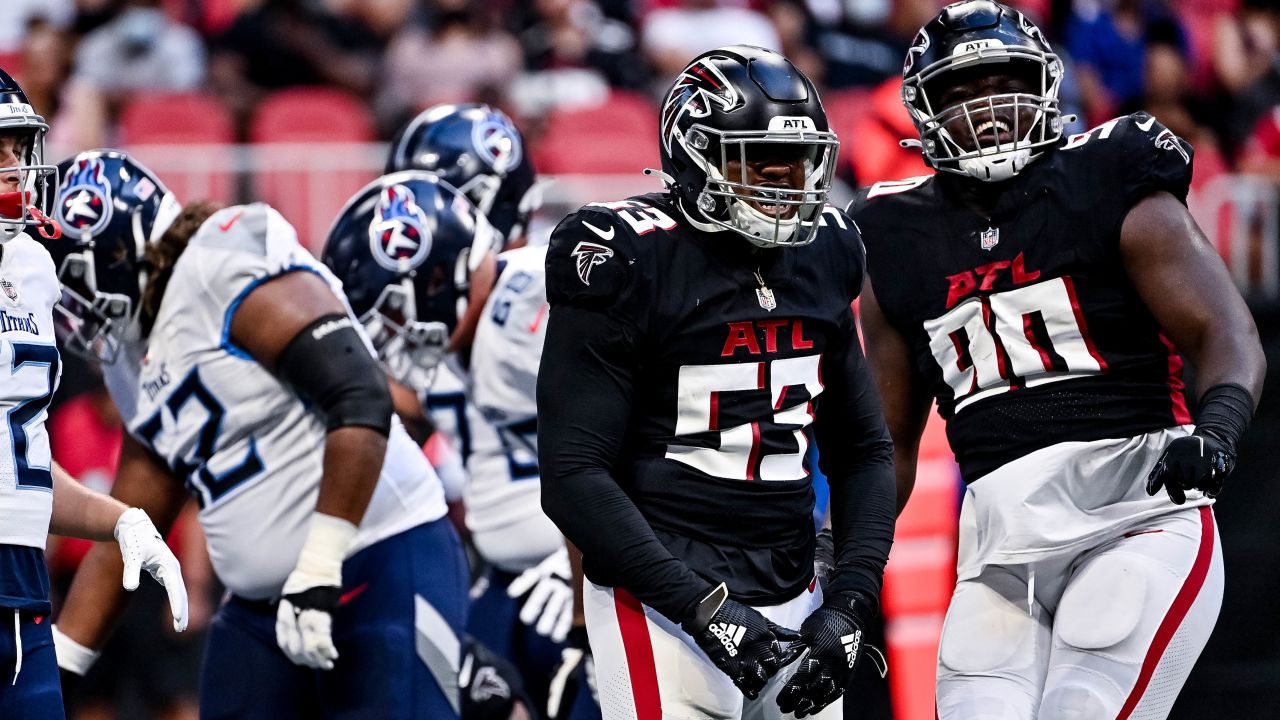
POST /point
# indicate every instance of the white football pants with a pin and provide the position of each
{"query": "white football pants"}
(647, 668)
(1111, 632)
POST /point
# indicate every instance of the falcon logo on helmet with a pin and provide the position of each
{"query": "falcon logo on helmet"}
(84, 204)
(700, 85)
(399, 236)
(588, 255)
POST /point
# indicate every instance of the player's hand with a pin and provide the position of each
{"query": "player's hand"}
(1199, 461)
(143, 549)
(832, 636)
(740, 641)
(548, 605)
(489, 686)
(311, 593)
(576, 664)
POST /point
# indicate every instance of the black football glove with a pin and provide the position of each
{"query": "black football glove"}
(740, 641)
(833, 639)
(489, 687)
(1199, 461)
(577, 667)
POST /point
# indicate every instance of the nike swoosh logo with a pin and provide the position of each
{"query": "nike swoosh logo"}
(227, 225)
(1146, 126)
(351, 594)
(603, 235)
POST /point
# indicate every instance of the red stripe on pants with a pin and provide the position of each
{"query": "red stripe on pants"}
(1177, 612)
(639, 650)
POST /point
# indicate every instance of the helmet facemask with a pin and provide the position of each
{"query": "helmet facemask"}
(989, 138)
(94, 323)
(409, 349)
(30, 204)
(768, 215)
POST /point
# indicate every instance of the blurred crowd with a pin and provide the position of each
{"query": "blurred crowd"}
(1209, 69)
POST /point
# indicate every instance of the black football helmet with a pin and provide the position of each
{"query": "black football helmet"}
(404, 248)
(31, 205)
(738, 103)
(111, 208)
(479, 151)
(982, 33)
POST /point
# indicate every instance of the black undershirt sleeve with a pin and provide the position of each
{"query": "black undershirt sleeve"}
(856, 454)
(585, 386)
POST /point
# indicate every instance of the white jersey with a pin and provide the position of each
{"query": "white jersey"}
(506, 352)
(31, 369)
(246, 445)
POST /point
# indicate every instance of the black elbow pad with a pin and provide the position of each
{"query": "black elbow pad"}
(329, 363)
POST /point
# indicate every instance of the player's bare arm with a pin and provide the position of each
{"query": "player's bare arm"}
(1185, 284)
(905, 402)
(96, 598)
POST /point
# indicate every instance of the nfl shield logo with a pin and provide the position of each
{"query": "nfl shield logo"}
(765, 296)
(990, 238)
(10, 290)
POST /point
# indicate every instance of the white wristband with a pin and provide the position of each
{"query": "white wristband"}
(320, 561)
(72, 656)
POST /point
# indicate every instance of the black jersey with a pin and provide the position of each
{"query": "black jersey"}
(1024, 324)
(726, 358)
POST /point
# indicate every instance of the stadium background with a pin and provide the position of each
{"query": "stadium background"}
(292, 102)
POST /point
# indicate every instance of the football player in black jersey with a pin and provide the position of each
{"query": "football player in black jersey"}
(699, 339)
(1040, 289)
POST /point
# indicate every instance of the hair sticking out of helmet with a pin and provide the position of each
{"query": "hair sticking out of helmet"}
(746, 147)
(112, 209)
(981, 85)
(404, 248)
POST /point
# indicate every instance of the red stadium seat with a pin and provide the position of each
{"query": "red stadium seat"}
(197, 122)
(309, 115)
(620, 136)
(302, 178)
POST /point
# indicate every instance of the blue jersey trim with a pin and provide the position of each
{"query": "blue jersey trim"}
(226, 343)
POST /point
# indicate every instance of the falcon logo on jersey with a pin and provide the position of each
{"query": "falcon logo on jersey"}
(699, 87)
(496, 143)
(1166, 140)
(588, 255)
(84, 203)
(399, 235)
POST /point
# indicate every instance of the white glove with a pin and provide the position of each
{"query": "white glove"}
(565, 682)
(143, 549)
(304, 619)
(550, 601)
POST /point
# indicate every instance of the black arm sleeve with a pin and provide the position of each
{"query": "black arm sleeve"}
(856, 454)
(585, 385)
(329, 363)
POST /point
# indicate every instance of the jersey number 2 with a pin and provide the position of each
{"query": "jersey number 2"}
(31, 474)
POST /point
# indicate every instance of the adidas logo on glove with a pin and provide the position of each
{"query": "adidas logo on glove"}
(852, 642)
(730, 636)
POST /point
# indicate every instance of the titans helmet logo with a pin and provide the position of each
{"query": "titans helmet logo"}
(699, 88)
(497, 144)
(399, 236)
(84, 201)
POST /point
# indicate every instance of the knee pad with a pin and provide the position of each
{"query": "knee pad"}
(984, 631)
(982, 708)
(1103, 603)
(1072, 702)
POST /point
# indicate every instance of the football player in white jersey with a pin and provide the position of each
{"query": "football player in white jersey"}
(241, 373)
(455, 294)
(36, 496)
